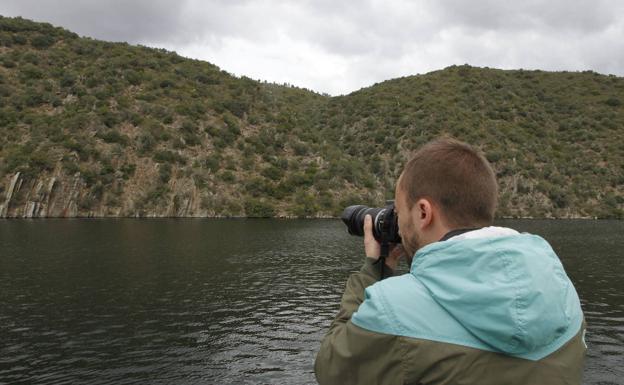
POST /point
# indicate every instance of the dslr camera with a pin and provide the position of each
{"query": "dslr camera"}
(385, 224)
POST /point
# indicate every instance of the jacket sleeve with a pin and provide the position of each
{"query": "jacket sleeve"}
(352, 355)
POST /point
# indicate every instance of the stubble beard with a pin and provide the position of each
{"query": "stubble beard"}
(411, 244)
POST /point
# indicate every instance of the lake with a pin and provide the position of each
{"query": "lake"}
(225, 301)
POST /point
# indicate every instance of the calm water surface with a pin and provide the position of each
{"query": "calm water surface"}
(225, 301)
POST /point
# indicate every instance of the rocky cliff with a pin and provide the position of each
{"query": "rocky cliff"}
(61, 196)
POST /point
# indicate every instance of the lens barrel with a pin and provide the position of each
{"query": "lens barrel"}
(385, 224)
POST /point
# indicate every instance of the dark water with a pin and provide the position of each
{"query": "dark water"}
(225, 301)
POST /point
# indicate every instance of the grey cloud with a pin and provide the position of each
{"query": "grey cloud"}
(579, 16)
(366, 28)
(335, 46)
(116, 20)
(152, 21)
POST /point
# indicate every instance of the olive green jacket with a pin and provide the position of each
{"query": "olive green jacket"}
(404, 352)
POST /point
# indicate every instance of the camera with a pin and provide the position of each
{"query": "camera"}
(385, 224)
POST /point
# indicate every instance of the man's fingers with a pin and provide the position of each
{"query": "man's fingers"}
(371, 246)
(368, 228)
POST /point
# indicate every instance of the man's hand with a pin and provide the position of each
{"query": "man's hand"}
(372, 248)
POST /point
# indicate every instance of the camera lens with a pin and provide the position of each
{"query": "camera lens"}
(384, 221)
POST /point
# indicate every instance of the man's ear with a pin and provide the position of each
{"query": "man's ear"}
(422, 213)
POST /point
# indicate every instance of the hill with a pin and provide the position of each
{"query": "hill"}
(91, 128)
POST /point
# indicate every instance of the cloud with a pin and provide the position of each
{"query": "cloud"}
(340, 46)
(116, 20)
(553, 15)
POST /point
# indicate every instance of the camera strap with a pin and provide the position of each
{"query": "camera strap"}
(385, 250)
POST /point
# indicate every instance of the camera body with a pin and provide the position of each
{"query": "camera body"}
(385, 223)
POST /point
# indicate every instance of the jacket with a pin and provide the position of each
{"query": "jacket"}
(490, 306)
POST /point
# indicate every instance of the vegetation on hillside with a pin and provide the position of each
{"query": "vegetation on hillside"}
(556, 139)
(137, 123)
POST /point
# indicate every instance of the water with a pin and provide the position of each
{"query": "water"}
(224, 301)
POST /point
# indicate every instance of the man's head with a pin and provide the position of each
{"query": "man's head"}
(446, 185)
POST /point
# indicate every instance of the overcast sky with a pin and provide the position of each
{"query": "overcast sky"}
(338, 46)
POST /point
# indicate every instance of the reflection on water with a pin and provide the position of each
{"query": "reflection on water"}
(224, 301)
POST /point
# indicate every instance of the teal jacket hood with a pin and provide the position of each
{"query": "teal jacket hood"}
(492, 289)
(508, 290)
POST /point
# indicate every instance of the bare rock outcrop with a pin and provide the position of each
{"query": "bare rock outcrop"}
(67, 196)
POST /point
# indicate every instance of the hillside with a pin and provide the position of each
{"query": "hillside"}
(91, 128)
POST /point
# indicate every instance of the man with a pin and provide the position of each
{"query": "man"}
(480, 305)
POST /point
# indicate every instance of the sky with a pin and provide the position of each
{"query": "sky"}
(337, 47)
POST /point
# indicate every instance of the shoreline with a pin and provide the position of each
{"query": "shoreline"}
(284, 218)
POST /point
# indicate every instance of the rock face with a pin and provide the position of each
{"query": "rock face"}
(4, 208)
(61, 196)
(45, 197)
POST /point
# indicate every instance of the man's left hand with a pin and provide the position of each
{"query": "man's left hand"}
(372, 248)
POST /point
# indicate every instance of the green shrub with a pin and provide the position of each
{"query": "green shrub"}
(236, 106)
(33, 98)
(113, 136)
(613, 102)
(559, 197)
(257, 208)
(273, 173)
(19, 39)
(107, 173)
(78, 147)
(231, 124)
(211, 162)
(166, 156)
(70, 165)
(157, 195)
(194, 109)
(166, 83)
(89, 176)
(42, 41)
(87, 202)
(300, 149)
(40, 161)
(16, 158)
(199, 181)
(133, 77)
(164, 172)
(257, 186)
(178, 144)
(191, 139)
(156, 130)
(7, 62)
(227, 176)
(128, 170)
(68, 80)
(146, 143)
